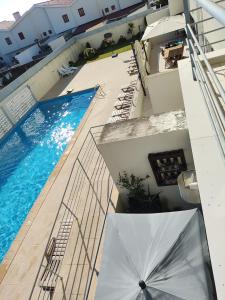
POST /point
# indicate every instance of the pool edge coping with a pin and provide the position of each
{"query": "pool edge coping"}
(11, 253)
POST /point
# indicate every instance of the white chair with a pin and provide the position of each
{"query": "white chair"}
(63, 72)
(69, 68)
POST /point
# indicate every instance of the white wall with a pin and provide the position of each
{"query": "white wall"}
(176, 7)
(26, 26)
(26, 56)
(40, 21)
(131, 155)
(55, 15)
(92, 11)
(165, 91)
(33, 24)
(102, 4)
(96, 39)
(57, 43)
(155, 16)
(5, 48)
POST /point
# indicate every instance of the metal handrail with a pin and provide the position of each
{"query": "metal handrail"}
(211, 87)
(210, 69)
(215, 10)
(195, 9)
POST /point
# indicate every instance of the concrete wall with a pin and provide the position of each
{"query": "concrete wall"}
(131, 155)
(209, 25)
(119, 28)
(176, 7)
(165, 91)
(155, 16)
(163, 38)
(136, 110)
(26, 56)
(57, 43)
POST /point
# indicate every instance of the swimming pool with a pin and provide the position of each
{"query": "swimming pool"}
(29, 154)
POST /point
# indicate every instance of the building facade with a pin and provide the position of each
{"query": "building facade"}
(51, 18)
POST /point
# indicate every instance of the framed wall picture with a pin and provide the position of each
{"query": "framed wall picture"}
(167, 166)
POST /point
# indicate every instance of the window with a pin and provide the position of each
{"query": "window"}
(167, 166)
(50, 31)
(81, 12)
(44, 33)
(65, 18)
(21, 35)
(107, 10)
(113, 7)
(8, 41)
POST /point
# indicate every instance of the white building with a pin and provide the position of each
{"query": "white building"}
(51, 18)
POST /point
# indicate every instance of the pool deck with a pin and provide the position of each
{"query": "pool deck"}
(19, 268)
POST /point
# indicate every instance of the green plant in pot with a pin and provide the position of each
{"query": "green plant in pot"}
(130, 29)
(89, 53)
(139, 201)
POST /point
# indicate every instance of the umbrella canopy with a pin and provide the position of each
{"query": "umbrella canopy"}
(163, 26)
(154, 256)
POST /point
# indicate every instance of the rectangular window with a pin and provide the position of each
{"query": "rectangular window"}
(50, 31)
(107, 10)
(21, 35)
(44, 33)
(113, 7)
(65, 18)
(81, 12)
(8, 41)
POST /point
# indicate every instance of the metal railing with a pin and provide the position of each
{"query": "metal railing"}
(203, 72)
(68, 265)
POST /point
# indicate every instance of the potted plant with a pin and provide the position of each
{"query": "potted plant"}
(130, 29)
(139, 201)
(89, 53)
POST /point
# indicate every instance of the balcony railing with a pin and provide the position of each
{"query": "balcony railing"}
(211, 87)
(68, 265)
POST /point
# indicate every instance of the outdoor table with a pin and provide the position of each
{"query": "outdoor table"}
(173, 51)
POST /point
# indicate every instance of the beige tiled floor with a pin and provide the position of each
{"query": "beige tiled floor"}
(111, 74)
(157, 62)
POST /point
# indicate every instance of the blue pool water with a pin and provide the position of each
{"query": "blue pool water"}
(29, 154)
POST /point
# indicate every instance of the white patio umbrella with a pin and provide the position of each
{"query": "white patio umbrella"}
(154, 256)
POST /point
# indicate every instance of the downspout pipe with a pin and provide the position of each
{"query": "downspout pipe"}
(215, 10)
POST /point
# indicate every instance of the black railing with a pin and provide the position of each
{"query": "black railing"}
(68, 265)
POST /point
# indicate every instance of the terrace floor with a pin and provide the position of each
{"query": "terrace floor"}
(157, 62)
(20, 266)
